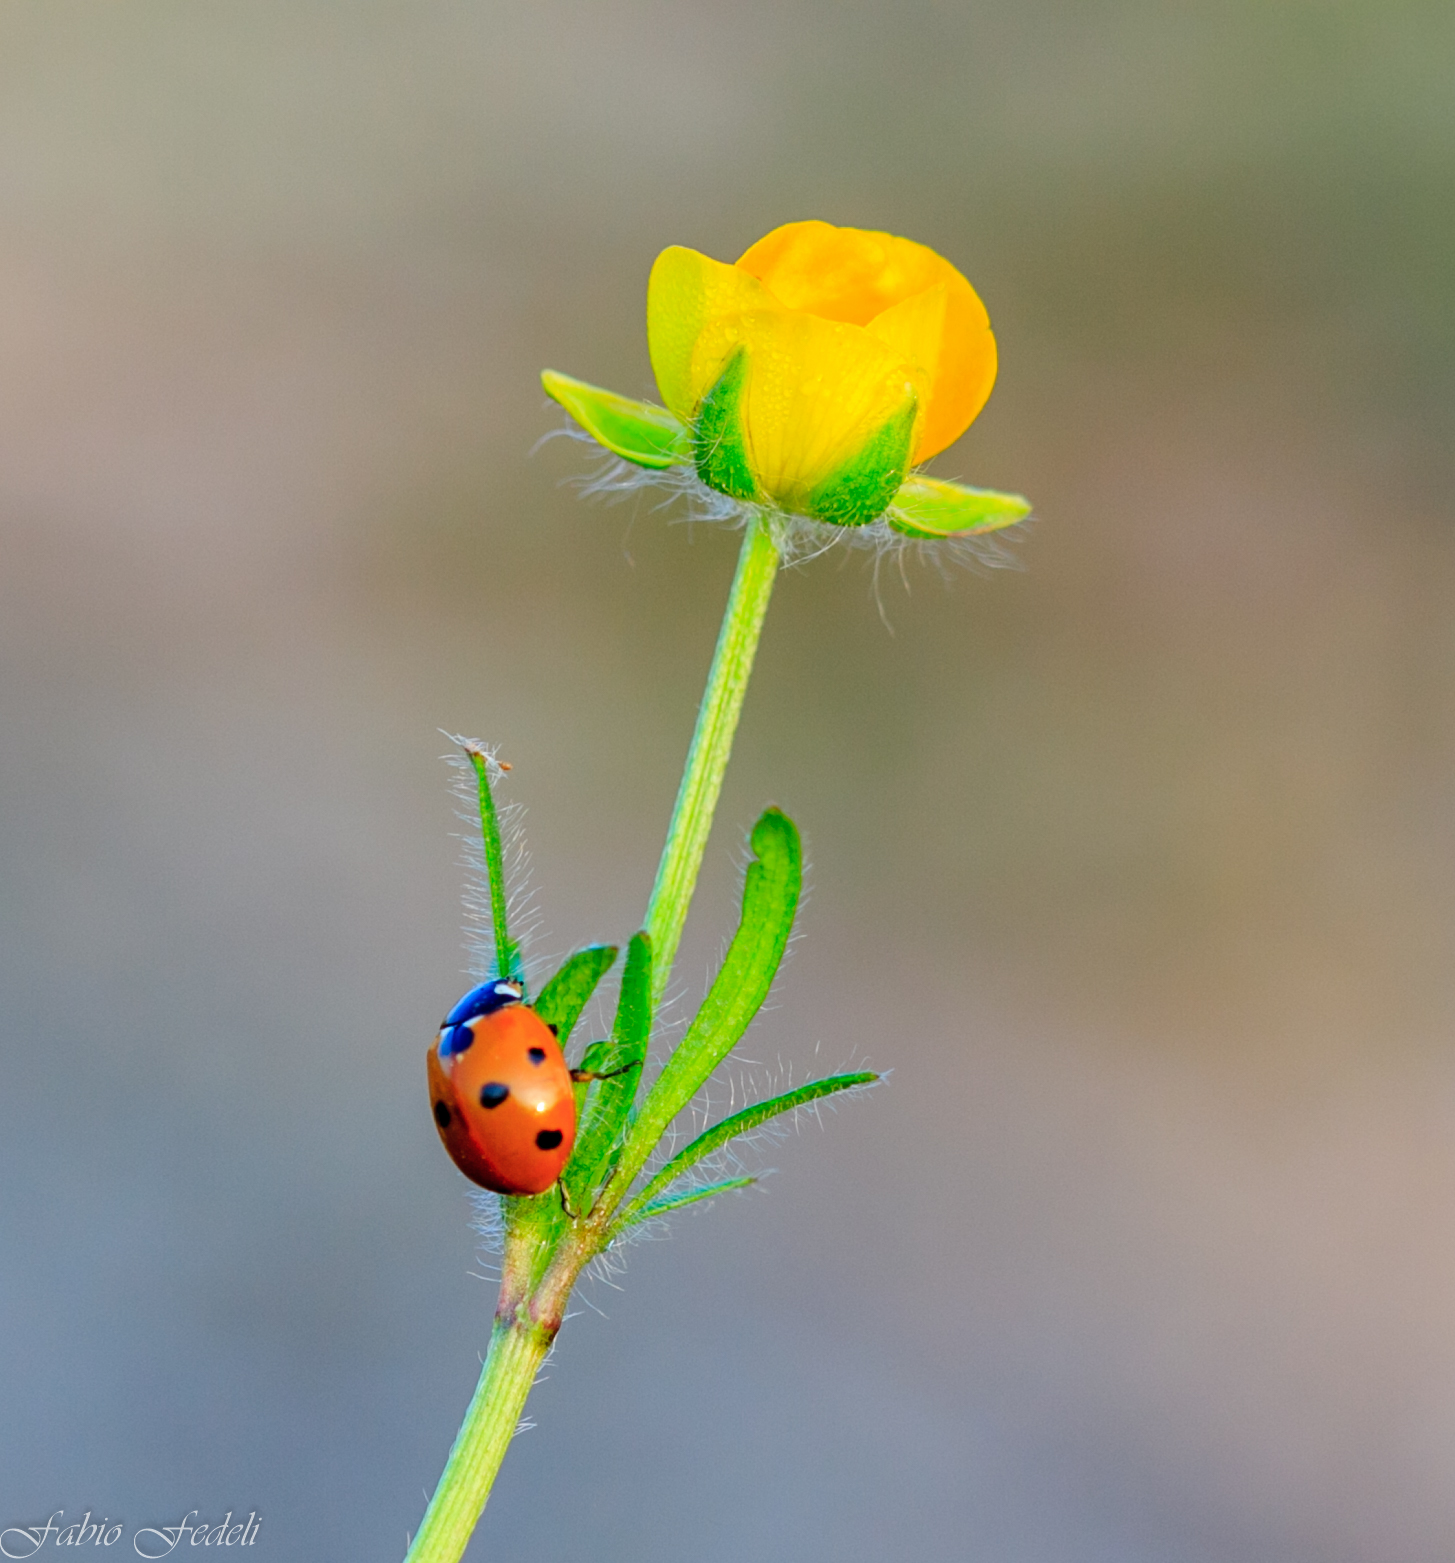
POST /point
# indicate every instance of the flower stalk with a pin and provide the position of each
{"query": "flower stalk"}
(712, 742)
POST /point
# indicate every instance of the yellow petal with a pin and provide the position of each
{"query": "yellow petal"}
(848, 274)
(915, 328)
(947, 335)
(858, 276)
(816, 393)
(685, 291)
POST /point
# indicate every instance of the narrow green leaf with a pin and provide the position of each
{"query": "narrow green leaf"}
(770, 898)
(930, 507)
(507, 950)
(661, 1207)
(730, 1128)
(609, 1100)
(566, 994)
(638, 432)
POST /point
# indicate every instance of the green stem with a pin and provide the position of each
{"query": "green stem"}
(527, 1321)
(712, 742)
(515, 1355)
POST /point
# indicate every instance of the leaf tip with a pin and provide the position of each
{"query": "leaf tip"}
(773, 827)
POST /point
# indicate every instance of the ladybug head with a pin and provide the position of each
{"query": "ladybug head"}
(456, 1034)
(485, 1000)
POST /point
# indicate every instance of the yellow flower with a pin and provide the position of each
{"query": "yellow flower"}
(809, 377)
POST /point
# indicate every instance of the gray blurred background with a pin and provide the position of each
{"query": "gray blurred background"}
(1135, 867)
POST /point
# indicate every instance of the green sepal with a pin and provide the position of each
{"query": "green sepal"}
(770, 898)
(566, 994)
(639, 432)
(719, 444)
(608, 1100)
(859, 491)
(930, 507)
(663, 1207)
(720, 1134)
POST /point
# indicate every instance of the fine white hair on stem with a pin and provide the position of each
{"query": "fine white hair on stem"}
(523, 915)
(799, 538)
(488, 1221)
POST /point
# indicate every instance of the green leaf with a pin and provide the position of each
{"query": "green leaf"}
(662, 1207)
(609, 1100)
(730, 1128)
(565, 995)
(633, 1006)
(639, 432)
(930, 507)
(507, 950)
(770, 898)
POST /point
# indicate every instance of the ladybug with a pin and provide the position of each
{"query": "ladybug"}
(501, 1092)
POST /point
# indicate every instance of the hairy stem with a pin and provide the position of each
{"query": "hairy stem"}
(712, 742)
(516, 1353)
(528, 1319)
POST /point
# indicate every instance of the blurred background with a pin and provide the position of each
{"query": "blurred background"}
(1134, 866)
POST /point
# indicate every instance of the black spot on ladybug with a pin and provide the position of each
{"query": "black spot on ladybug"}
(537, 1055)
(442, 1115)
(493, 1093)
(548, 1139)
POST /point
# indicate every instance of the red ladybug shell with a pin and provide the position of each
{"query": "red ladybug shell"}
(503, 1102)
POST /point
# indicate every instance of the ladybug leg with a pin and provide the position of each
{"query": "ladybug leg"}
(579, 1075)
(565, 1198)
